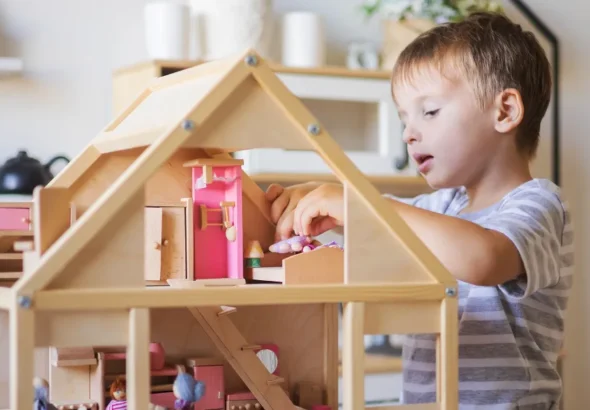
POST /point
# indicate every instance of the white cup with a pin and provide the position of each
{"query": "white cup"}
(167, 30)
(304, 43)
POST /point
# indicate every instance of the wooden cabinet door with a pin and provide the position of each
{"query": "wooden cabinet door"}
(153, 243)
(173, 243)
(214, 397)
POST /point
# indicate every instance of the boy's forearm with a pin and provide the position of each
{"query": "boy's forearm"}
(470, 252)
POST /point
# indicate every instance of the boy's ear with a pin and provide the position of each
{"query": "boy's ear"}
(509, 110)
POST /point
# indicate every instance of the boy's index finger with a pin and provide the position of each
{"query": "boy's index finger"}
(273, 192)
(284, 226)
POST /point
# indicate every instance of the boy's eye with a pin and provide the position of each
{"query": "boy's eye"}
(431, 113)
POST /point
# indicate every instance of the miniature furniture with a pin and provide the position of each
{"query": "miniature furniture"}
(84, 280)
(168, 242)
(15, 232)
(211, 372)
(217, 194)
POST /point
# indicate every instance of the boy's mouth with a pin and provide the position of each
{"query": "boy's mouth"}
(424, 161)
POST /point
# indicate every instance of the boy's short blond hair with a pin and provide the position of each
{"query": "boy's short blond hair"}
(493, 54)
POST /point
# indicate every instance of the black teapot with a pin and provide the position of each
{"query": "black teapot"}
(21, 174)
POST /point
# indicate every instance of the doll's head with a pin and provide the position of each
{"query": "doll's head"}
(187, 388)
(119, 389)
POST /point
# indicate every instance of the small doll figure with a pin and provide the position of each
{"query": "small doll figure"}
(118, 392)
(41, 396)
(291, 245)
(187, 390)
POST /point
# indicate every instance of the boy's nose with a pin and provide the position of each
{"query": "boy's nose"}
(410, 135)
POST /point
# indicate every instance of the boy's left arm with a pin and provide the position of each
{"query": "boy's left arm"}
(528, 226)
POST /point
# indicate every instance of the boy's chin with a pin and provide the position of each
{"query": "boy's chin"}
(436, 181)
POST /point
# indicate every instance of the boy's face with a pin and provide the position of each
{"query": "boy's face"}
(448, 135)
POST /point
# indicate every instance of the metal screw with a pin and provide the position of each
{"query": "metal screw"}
(451, 292)
(188, 125)
(251, 60)
(313, 129)
(24, 301)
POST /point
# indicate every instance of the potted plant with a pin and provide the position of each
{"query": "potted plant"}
(404, 20)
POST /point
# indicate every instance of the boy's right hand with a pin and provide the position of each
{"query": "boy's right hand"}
(284, 201)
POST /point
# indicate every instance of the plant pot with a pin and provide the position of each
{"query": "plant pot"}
(397, 35)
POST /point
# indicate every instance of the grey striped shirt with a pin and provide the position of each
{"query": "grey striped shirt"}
(509, 335)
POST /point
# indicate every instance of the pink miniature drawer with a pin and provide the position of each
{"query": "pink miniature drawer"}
(165, 399)
(16, 219)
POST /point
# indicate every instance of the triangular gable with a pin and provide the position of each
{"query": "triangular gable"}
(185, 128)
(122, 190)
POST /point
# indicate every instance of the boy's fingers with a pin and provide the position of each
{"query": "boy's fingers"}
(304, 218)
(284, 226)
(278, 207)
(273, 191)
(321, 225)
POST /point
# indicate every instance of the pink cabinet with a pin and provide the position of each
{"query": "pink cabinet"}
(214, 397)
(217, 218)
(15, 219)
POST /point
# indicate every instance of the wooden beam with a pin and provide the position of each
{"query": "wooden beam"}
(22, 355)
(449, 354)
(353, 356)
(75, 168)
(138, 359)
(120, 298)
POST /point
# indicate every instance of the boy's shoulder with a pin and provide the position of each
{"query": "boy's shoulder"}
(452, 200)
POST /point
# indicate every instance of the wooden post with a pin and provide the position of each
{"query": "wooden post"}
(22, 353)
(449, 354)
(353, 356)
(138, 359)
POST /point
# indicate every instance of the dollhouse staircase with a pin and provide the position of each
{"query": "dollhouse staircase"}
(266, 387)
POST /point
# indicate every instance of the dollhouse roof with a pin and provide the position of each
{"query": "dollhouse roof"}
(225, 106)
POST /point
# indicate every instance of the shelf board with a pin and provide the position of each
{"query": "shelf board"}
(11, 256)
(10, 65)
(10, 276)
(328, 70)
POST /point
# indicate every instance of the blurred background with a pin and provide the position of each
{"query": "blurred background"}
(68, 66)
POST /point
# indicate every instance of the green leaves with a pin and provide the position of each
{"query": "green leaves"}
(438, 11)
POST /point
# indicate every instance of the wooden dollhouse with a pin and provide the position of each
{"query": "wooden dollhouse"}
(146, 256)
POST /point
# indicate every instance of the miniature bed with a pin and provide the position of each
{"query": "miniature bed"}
(146, 239)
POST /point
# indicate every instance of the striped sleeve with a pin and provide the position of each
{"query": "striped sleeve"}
(533, 219)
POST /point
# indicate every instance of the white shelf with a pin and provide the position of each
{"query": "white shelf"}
(10, 65)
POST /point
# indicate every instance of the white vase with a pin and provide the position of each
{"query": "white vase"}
(167, 27)
(304, 43)
(227, 27)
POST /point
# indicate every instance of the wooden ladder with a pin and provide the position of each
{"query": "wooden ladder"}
(240, 355)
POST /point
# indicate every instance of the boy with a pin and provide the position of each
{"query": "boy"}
(472, 96)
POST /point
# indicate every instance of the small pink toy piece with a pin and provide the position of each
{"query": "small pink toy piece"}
(293, 244)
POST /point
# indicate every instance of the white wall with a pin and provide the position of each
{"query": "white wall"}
(70, 48)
